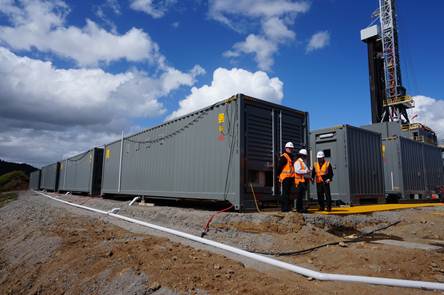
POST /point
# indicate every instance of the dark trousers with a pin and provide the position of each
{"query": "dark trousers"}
(323, 190)
(300, 194)
(287, 186)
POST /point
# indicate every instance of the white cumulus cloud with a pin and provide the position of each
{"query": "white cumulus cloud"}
(41, 25)
(227, 83)
(223, 10)
(318, 41)
(58, 110)
(429, 111)
(154, 8)
(274, 17)
(262, 48)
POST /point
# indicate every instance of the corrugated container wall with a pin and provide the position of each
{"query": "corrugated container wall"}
(433, 168)
(412, 168)
(82, 173)
(216, 153)
(356, 159)
(50, 177)
(34, 180)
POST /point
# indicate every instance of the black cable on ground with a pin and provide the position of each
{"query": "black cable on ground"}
(298, 252)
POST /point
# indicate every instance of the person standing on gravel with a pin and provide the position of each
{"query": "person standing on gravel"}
(323, 173)
(285, 170)
(302, 176)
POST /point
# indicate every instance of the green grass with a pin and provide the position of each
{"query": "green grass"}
(13, 180)
(5, 198)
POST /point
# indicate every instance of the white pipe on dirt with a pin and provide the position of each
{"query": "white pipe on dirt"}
(284, 265)
(134, 200)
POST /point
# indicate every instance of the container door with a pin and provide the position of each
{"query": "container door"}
(329, 149)
(267, 128)
(413, 167)
(260, 147)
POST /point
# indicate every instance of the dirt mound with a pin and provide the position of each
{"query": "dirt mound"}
(50, 248)
(276, 223)
(77, 255)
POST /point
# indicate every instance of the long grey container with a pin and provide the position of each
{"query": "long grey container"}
(34, 180)
(412, 169)
(217, 153)
(434, 172)
(82, 173)
(356, 159)
(404, 167)
(50, 177)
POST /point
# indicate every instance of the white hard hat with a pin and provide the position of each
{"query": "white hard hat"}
(303, 152)
(289, 145)
(320, 155)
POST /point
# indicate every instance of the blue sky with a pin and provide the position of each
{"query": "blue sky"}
(136, 62)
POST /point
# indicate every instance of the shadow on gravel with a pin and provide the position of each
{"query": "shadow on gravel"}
(344, 231)
(198, 204)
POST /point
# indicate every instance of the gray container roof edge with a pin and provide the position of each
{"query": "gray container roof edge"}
(54, 163)
(72, 157)
(395, 137)
(343, 126)
(219, 103)
(81, 155)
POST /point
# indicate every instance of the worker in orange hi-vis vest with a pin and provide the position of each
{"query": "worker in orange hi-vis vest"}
(323, 175)
(301, 179)
(285, 170)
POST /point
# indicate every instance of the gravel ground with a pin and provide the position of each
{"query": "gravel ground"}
(50, 248)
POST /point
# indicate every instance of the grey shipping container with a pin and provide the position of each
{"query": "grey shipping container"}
(34, 180)
(415, 131)
(50, 177)
(434, 172)
(412, 169)
(387, 129)
(356, 159)
(82, 173)
(216, 153)
(404, 167)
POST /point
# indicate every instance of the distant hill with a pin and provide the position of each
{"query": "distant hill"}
(7, 167)
(15, 180)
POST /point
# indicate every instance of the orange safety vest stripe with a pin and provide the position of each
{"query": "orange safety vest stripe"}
(299, 178)
(321, 171)
(288, 170)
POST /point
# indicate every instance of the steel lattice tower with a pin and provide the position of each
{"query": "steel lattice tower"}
(396, 101)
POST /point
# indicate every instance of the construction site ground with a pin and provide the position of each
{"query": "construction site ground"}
(47, 247)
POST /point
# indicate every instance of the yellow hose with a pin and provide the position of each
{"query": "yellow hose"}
(254, 197)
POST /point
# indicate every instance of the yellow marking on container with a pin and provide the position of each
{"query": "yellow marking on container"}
(221, 128)
(107, 153)
(221, 118)
(373, 208)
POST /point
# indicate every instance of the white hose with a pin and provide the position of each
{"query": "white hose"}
(134, 200)
(291, 267)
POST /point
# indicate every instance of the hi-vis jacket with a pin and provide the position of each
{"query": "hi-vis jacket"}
(301, 171)
(288, 170)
